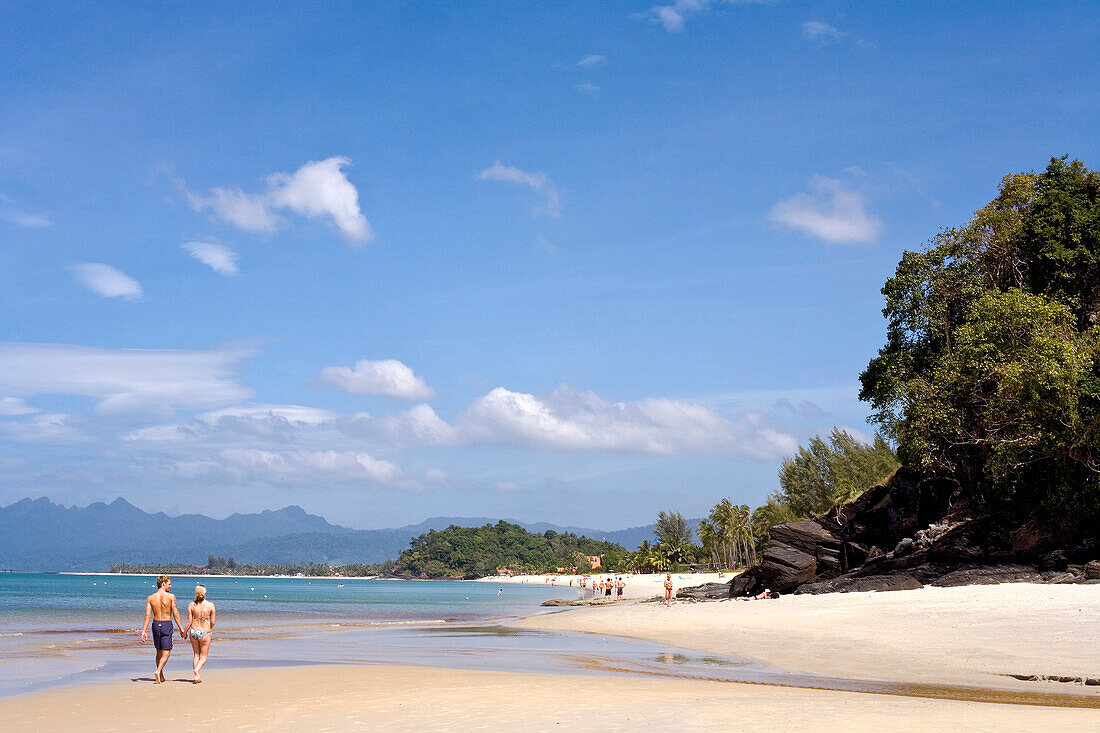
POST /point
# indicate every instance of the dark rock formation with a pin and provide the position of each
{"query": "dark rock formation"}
(849, 584)
(705, 592)
(911, 532)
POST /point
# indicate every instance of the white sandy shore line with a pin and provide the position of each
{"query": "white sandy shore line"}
(647, 585)
(952, 636)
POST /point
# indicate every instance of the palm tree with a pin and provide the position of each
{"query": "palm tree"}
(708, 535)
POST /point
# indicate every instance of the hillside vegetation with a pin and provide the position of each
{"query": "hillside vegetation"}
(474, 552)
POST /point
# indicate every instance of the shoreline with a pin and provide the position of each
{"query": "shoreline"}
(914, 660)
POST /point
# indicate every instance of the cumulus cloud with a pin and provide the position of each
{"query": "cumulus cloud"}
(217, 257)
(536, 181)
(831, 211)
(417, 426)
(388, 377)
(567, 419)
(591, 60)
(572, 419)
(106, 281)
(125, 380)
(320, 189)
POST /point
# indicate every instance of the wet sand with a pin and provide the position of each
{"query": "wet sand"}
(423, 699)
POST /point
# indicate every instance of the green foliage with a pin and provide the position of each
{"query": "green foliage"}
(990, 373)
(766, 516)
(672, 529)
(821, 475)
(473, 552)
(727, 536)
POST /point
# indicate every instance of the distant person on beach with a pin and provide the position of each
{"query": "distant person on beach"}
(668, 589)
(619, 585)
(761, 596)
(200, 622)
(161, 606)
(607, 587)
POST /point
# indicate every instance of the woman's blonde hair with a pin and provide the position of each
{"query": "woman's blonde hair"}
(200, 593)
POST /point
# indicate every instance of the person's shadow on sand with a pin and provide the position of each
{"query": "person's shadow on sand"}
(151, 679)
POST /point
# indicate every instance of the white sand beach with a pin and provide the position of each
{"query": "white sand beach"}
(954, 636)
(644, 585)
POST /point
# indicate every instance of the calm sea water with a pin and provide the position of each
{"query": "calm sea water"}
(53, 602)
(71, 629)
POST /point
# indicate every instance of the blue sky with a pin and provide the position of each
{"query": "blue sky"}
(573, 262)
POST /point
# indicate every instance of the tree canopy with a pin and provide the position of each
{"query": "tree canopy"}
(821, 475)
(473, 552)
(990, 372)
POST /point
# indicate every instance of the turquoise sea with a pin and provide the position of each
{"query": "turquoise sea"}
(66, 629)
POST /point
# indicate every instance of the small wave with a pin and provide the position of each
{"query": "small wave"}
(14, 633)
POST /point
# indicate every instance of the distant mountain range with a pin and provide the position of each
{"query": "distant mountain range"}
(40, 535)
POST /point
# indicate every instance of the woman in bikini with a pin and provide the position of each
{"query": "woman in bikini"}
(200, 622)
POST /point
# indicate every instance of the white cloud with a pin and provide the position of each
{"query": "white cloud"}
(106, 281)
(536, 181)
(46, 427)
(319, 189)
(417, 426)
(572, 419)
(251, 212)
(591, 60)
(568, 419)
(832, 212)
(817, 30)
(25, 220)
(247, 422)
(15, 406)
(301, 465)
(387, 377)
(125, 380)
(672, 17)
(12, 215)
(588, 88)
(217, 257)
(294, 414)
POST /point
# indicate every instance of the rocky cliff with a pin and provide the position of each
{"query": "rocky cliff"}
(911, 532)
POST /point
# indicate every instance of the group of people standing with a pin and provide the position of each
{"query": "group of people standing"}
(606, 586)
(161, 607)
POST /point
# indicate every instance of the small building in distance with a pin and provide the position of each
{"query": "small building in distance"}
(596, 561)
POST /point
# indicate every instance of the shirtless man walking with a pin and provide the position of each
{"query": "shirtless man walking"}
(162, 607)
